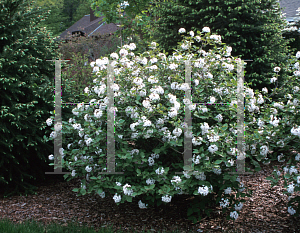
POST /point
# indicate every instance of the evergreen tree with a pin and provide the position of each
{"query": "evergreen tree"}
(82, 10)
(251, 28)
(292, 31)
(26, 91)
(57, 20)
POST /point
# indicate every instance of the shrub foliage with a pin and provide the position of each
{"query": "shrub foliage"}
(26, 84)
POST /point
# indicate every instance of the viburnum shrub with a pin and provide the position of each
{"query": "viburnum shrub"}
(290, 126)
(150, 98)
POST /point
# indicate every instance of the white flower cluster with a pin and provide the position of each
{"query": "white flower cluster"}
(154, 95)
(224, 203)
(204, 190)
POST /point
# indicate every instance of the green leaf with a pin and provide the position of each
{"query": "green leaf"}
(128, 198)
(75, 190)
(83, 191)
(190, 211)
(99, 191)
(218, 161)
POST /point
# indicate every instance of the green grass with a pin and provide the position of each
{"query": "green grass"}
(32, 226)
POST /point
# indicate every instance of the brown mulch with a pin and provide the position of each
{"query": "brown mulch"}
(265, 211)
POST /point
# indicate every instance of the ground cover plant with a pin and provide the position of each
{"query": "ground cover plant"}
(207, 182)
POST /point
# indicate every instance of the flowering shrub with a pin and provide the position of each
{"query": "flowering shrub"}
(149, 111)
(291, 172)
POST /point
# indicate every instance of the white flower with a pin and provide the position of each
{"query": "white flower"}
(160, 171)
(124, 4)
(153, 45)
(206, 29)
(142, 205)
(276, 69)
(291, 210)
(293, 170)
(73, 173)
(216, 37)
(185, 46)
(241, 187)
(117, 198)
(98, 113)
(153, 60)
(197, 159)
(279, 158)
(102, 195)
(219, 117)
(264, 150)
(88, 169)
(273, 80)
(198, 38)
(298, 55)
(49, 121)
(228, 51)
(239, 206)
(173, 66)
(118, 184)
(166, 198)
(230, 163)
(147, 123)
(297, 157)
(290, 188)
(177, 132)
(297, 73)
(127, 191)
(192, 33)
(227, 190)
(95, 69)
(132, 46)
(212, 148)
(176, 179)
(123, 52)
(203, 191)
(265, 90)
(114, 56)
(53, 134)
(51, 157)
(212, 99)
(217, 171)
(150, 181)
(234, 215)
(181, 30)
(225, 203)
(298, 179)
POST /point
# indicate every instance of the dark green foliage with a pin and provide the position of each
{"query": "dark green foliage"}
(251, 28)
(26, 90)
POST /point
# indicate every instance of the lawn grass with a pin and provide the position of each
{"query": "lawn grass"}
(32, 226)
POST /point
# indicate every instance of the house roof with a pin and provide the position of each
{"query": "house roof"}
(91, 28)
(291, 7)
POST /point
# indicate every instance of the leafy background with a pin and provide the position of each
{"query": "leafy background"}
(143, 21)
